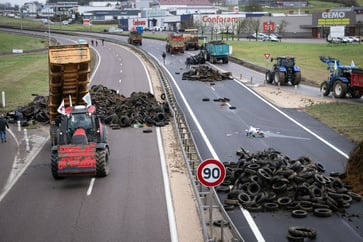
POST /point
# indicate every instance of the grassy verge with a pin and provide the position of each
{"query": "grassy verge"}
(345, 118)
(307, 55)
(21, 76)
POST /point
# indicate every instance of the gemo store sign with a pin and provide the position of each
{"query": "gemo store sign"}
(333, 15)
(218, 19)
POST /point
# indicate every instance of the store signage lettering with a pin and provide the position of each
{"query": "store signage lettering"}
(333, 15)
(219, 19)
(139, 22)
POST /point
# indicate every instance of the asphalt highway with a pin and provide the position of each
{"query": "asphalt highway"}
(130, 204)
(63, 211)
(219, 131)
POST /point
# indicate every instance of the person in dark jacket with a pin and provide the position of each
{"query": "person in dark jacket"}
(3, 126)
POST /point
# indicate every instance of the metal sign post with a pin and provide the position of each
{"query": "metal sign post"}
(211, 173)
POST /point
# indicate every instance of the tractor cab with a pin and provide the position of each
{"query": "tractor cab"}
(80, 118)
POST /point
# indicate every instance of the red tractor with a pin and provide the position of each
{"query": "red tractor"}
(81, 147)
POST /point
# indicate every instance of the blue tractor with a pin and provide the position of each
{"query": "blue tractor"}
(343, 79)
(284, 71)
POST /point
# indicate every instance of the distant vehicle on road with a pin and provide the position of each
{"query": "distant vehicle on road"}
(270, 38)
(258, 36)
(114, 30)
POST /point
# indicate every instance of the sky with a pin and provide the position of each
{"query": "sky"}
(19, 2)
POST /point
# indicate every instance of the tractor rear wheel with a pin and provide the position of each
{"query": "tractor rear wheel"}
(279, 78)
(269, 77)
(340, 89)
(324, 88)
(54, 165)
(102, 163)
(297, 79)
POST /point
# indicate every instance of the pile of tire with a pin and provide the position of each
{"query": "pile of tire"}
(206, 74)
(269, 180)
(196, 59)
(34, 111)
(137, 110)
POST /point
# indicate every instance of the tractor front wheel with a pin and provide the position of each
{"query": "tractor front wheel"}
(102, 163)
(340, 89)
(54, 165)
(324, 88)
(269, 77)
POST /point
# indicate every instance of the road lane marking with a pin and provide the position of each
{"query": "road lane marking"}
(89, 191)
(295, 121)
(167, 189)
(16, 172)
(246, 213)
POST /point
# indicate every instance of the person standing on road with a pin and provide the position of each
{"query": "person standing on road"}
(164, 56)
(3, 126)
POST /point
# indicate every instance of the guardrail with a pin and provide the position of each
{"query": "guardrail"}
(208, 206)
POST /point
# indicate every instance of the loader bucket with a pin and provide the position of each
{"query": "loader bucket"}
(77, 160)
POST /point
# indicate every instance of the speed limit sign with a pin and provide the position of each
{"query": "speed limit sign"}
(211, 173)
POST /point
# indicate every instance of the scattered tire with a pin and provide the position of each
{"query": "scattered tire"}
(303, 232)
(147, 130)
(271, 206)
(299, 213)
(292, 238)
(323, 212)
(220, 222)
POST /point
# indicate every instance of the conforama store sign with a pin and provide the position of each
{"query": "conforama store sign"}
(217, 20)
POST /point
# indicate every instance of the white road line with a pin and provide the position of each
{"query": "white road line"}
(16, 173)
(89, 191)
(168, 197)
(169, 200)
(296, 122)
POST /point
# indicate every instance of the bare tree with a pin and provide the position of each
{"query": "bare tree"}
(281, 28)
(253, 26)
(241, 26)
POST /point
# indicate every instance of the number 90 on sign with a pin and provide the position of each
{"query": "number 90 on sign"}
(211, 173)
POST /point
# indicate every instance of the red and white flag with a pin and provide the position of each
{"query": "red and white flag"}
(87, 99)
(62, 109)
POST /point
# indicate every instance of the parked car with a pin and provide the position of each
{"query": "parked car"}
(260, 36)
(271, 38)
(277, 36)
(114, 30)
(46, 21)
(345, 39)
